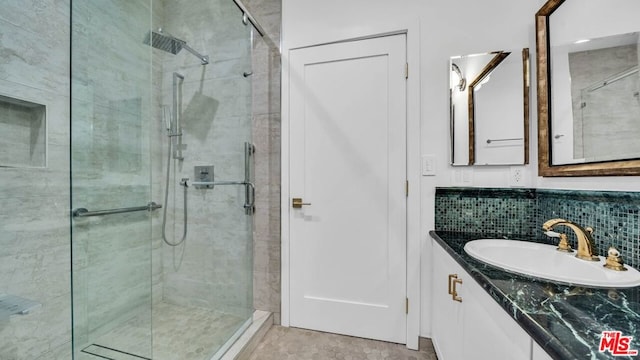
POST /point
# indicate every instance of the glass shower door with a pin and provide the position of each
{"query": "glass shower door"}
(146, 117)
(110, 175)
(206, 297)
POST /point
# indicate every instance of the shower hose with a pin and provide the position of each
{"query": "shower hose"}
(183, 183)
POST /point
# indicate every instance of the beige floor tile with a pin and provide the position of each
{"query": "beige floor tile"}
(282, 343)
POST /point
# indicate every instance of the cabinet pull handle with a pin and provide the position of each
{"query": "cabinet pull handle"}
(451, 276)
(454, 292)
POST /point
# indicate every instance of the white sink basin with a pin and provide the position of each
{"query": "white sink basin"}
(545, 262)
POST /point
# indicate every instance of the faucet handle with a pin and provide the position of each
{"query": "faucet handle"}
(563, 245)
(614, 260)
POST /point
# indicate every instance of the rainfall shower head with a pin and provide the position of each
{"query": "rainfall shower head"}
(166, 42)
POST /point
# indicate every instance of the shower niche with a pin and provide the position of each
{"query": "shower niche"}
(22, 133)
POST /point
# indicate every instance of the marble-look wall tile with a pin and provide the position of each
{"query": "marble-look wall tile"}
(23, 129)
(23, 43)
(266, 134)
(159, 144)
(266, 93)
(43, 27)
(210, 140)
(618, 102)
(212, 268)
(34, 231)
(110, 161)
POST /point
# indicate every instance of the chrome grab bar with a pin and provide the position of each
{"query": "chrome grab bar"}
(248, 205)
(205, 173)
(83, 212)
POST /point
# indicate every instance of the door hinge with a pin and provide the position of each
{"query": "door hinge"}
(406, 188)
(406, 70)
(407, 306)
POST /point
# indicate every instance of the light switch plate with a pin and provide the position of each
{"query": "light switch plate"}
(428, 165)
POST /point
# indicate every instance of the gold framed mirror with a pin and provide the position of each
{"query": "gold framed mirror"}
(573, 138)
(489, 108)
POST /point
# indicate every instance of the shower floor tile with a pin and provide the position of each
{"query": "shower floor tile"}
(282, 343)
(179, 333)
(187, 333)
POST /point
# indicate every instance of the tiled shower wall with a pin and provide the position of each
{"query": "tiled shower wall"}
(614, 215)
(110, 165)
(34, 217)
(586, 69)
(266, 136)
(211, 269)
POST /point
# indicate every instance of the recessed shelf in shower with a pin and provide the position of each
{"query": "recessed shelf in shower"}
(16, 305)
(22, 133)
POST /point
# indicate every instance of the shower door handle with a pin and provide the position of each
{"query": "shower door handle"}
(249, 205)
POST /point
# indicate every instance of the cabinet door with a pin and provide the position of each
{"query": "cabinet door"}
(489, 332)
(475, 328)
(447, 327)
(537, 353)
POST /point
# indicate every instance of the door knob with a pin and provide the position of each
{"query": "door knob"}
(297, 203)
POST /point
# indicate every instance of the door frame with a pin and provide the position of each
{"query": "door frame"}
(411, 30)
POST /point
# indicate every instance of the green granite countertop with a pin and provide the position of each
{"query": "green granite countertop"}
(566, 321)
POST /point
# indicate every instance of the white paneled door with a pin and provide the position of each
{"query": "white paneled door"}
(348, 170)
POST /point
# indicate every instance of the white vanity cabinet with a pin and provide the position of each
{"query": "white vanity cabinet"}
(537, 353)
(467, 322)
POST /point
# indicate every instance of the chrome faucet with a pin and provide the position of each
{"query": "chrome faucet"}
(586, 244)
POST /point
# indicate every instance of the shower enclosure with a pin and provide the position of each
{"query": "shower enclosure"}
(592, 138)
(161, 175)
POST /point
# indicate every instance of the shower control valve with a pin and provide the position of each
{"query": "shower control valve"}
(203, 177)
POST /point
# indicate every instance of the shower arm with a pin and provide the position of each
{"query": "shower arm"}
(204, 59)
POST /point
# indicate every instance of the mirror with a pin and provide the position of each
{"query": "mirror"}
(588, 88)
(489, 108)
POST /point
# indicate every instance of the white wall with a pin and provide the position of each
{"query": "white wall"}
(447, 28)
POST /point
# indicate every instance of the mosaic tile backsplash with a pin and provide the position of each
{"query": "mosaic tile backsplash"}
(513, 213)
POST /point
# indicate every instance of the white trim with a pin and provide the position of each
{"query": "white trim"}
(412, 29)
(284, 191)
(413, 175)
